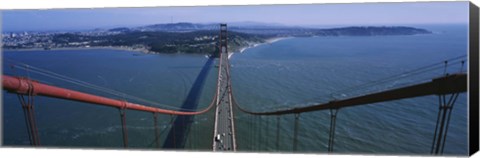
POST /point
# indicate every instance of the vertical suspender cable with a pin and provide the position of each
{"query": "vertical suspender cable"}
(445, 108)
(30, 120)
(34, 121)
(27, 119)
(333, 120)
(124, 126)
(155, 123)
(174, 133)
(295, 132)
(442, 124)
(436, 125)
(450, 108)
(29, 114)
(446, 65)
(261, 133)
(266, 133)
(256, 132)
(278, 132)
(461, 67)
(251, 132)
(30, 111)
(192, 134)
(249, 124)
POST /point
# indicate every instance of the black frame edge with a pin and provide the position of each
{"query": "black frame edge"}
(473, 78)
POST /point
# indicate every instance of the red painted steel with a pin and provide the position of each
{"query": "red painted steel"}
(21, 86)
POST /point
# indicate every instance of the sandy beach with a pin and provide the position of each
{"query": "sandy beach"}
(267, 41)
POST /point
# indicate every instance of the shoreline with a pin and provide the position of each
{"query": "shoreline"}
(145, 51)
(267, 41)
(142, 50)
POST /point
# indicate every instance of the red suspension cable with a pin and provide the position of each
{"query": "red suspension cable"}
(23, 86)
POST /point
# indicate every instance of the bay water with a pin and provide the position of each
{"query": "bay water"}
(293, 72)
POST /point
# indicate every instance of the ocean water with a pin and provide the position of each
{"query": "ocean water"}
(289, 73)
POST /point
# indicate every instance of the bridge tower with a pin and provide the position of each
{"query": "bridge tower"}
(223, 38)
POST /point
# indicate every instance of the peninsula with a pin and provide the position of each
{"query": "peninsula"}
(184, 37)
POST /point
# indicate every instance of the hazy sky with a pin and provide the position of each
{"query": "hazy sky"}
(295, 15)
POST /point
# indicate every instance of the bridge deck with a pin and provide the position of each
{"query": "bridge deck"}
(224, 132)
(224, 136)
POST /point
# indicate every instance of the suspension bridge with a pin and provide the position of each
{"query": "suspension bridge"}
(447, 87)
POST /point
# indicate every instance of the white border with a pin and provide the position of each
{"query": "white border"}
(49, 4)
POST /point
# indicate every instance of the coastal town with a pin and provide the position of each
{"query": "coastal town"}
(201, 41)
(46, 40)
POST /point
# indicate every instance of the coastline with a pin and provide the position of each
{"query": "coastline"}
(143, 50)
(82, 48)
(267, 41)
(253, 45)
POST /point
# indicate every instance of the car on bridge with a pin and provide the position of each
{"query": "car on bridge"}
(218, 138)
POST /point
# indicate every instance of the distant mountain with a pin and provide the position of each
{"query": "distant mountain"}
(253, 24)
(371, 31)
(282, 30)
(182, 26)
(119, 29)
(185, 26)
(342, 31)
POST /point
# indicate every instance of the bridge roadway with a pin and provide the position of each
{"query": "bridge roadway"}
(224, 131)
